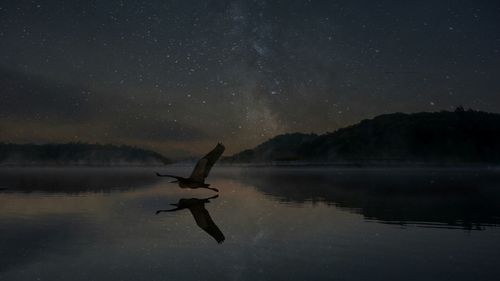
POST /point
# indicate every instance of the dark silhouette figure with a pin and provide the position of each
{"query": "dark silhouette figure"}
(200, 214)
(200, 172)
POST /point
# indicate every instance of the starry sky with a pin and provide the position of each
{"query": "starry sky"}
(178, 76)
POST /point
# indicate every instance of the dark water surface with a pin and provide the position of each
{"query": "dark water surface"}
(278, 224)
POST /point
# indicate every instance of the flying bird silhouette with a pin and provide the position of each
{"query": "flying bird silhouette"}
(201, 170)
(200, 214)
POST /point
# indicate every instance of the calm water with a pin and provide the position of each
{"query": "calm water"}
(278, 224)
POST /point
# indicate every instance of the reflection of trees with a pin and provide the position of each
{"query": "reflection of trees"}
(462, 199)
(74, 180)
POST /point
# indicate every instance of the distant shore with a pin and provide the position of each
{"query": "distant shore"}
(364, 165)
(74, 165)
(265, 164)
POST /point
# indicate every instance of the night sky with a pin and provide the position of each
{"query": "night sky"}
(178, 76)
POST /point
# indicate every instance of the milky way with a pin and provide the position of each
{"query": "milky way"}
(178, 76)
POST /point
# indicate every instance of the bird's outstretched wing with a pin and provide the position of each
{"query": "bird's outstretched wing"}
(205, 222)
(206, 163)
(170, 210)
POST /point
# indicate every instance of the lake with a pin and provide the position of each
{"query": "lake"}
(276, 223)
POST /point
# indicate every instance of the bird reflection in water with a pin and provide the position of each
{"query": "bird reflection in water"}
(200, 214)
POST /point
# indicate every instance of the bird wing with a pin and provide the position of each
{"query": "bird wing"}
(205, 222)
(206, 163)
(170, 210)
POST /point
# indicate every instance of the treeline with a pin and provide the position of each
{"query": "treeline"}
(461, 136)
(78, 154)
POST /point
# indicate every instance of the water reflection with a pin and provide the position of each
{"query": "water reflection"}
(201, 215)
(468, 199)
(24, 243)
(74, 180)
(319, 233)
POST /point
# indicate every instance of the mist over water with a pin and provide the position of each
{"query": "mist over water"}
(278, 223)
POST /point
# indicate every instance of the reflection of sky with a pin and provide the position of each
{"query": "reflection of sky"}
(117, 236)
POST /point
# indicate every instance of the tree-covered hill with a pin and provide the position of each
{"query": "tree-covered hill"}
(78, 154)
(439, 137)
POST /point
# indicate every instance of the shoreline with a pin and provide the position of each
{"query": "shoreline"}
(350, 165)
